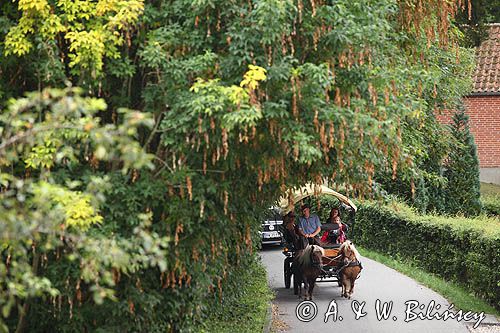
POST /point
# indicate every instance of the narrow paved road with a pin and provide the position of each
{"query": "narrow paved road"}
(377, 282)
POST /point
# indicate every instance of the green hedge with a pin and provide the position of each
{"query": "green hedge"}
(244, 308)
(463, 250)
(491, 205)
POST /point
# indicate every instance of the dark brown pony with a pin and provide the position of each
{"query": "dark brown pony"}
(351, 267)
(306, 268)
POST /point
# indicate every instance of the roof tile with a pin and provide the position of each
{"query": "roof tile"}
(487, 72)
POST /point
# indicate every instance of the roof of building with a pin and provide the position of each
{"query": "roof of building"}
(487, 72)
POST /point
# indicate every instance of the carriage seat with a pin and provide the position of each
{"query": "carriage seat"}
(329, 226)
(331, 246)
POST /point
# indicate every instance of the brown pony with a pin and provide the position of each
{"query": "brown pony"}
(306, 268)
(351, 267)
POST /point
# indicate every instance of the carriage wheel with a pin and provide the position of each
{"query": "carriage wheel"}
(287, 272)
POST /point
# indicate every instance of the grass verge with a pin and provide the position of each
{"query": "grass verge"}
(490, 189)
(454, 293)
(244, 305)
(490, 197)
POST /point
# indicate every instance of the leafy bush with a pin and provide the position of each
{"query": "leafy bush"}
(460, 249)
(315, 102)
(53, 251)
(491, 205)
(244, 304)
(490, 198)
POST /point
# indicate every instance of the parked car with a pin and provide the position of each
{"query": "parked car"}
(272, 227)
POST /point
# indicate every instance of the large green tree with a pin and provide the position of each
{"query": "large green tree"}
(247, 98)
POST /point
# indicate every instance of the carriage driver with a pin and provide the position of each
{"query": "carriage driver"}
(309, 225)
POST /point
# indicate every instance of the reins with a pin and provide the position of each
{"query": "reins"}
(333, 259)
(358, 263)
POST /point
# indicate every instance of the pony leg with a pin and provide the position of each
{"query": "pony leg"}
(306, 290)
(297, 279)
(351, 291)
(312, 283)
(347, 287)
(297, 287)
(353, 277)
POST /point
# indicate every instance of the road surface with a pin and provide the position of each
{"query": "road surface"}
(377, 282)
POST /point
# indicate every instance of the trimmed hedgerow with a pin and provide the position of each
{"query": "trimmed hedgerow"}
(491, 205)
(459, 249)
(490, 199)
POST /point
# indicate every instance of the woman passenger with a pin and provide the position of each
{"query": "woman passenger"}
(337, 234)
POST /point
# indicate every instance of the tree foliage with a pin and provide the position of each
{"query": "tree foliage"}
(90, 30)
(45, 216)
(243, 99)
(474, 17)
(462, 169)
(426, 141)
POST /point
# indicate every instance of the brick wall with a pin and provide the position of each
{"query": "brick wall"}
(484, 121)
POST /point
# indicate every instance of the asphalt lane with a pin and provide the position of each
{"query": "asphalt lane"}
(377, 283)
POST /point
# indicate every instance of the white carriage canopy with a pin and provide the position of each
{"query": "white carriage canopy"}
(292, 196)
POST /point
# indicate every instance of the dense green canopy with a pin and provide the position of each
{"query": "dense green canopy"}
(240, 100)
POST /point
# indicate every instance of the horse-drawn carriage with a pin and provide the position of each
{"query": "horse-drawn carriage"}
(331, 258)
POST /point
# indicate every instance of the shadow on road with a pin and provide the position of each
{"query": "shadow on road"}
(270, 247)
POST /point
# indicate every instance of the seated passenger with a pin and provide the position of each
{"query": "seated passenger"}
(309, 225)
(342, 228)
(291, 232)
(333, 214)
(335, 229)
